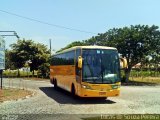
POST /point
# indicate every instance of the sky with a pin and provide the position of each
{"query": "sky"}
(84, 18)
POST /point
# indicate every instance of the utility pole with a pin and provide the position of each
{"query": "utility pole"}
(50, 43)
(2, 57)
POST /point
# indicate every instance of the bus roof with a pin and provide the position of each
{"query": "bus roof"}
(86, 47)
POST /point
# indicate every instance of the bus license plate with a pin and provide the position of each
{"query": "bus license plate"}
(102, 93)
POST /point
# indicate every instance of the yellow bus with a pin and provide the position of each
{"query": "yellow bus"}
(87, 71)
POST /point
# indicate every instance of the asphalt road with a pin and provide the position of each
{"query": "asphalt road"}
(59, 103)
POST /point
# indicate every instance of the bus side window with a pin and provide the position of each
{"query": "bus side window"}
(70, 58)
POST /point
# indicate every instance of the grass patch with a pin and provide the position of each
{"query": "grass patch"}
(14, 73)
(146, 79)
(13, 94)
(143, 81)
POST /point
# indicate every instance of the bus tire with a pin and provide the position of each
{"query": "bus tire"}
(55, 84)
(73, 90)
(103, 98)
(51, 81)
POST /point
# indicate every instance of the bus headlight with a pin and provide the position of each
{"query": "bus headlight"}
(115, 86)
(86, 87)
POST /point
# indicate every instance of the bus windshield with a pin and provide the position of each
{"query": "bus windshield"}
(100, 66)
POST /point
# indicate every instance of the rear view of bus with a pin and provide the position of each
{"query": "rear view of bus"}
(97, 72)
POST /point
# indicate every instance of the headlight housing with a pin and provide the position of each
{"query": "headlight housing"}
(86, 87)
(115, 86)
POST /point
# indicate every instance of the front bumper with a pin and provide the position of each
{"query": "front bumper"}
(97, 93)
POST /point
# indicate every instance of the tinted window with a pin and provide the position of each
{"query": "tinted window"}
(100, 66)
(63, 59)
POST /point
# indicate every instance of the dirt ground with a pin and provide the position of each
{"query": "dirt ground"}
(13, 94)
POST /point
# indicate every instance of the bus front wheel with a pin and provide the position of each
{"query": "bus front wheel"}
(73, 90)
(103, 98)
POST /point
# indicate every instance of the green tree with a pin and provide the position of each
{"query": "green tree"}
(155, 62)
(8, 63)
(134, 43)
(44, 68)
(75, 43)
(27, 50)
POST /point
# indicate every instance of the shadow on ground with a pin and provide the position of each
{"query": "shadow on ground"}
(63, 97)
(136, 83)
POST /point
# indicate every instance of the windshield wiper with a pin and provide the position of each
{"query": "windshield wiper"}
(109, 81)
(93, 79)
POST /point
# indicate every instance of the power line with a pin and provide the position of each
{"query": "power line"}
(46, 23)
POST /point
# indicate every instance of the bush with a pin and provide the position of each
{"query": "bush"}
(44, 70)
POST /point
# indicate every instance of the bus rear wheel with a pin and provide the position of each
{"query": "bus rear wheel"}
(55, 84)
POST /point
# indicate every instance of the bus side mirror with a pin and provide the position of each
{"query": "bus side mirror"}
(123, 63)
(80, 62)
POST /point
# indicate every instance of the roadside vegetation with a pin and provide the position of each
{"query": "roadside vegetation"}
(151, 76)
(28, 55)
(27, 74)
(146, 79)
